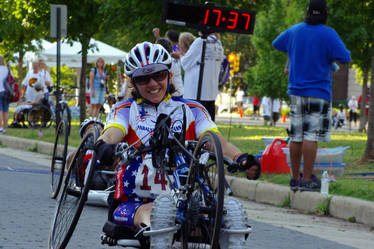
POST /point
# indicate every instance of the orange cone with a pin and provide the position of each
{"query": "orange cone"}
(284, 118)
(241, 112)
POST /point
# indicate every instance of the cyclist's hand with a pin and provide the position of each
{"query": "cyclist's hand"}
(250, 165)
(105, 153)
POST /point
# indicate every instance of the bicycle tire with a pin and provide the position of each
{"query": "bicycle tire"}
(205, 230)
(74, 194)
(66, 115)
(59, 158)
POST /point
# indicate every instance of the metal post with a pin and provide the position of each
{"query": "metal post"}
(58, 59)
(202, 63)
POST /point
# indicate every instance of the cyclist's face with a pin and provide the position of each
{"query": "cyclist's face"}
(153, 87)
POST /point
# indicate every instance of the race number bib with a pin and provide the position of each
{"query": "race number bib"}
(150, 182)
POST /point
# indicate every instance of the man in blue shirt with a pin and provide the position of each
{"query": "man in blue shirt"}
(312, 48)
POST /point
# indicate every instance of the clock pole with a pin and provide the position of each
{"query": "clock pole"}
(202, 63)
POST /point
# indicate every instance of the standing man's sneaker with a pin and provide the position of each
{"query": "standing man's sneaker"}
(314, 184)
(294, 184)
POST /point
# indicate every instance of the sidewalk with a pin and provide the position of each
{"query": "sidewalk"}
(258, 191)
(234, 119)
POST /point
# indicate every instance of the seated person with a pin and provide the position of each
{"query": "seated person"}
(99, 181)
(134, 119)
(340, 117)
(22, 109)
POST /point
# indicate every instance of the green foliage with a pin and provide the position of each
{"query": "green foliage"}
(323, 207)
(266, 78)
(286, 203)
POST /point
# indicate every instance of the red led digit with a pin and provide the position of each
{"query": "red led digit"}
(234, 20)
(248, 16)
(219, 12)
(206, 16)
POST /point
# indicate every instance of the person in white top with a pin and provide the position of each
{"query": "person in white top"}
(45, 77)
(176, 79)
(4, 98)
(266, 112)
(352, 105)
(191, 64)
(276, 109)
(239, 94)
(340, 117)
(31, 78)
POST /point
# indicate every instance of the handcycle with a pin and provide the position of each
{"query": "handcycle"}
(195, 171)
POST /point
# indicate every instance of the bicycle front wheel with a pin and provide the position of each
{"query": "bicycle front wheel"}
(75, 191)
(66, 115)
(206, 195)
(60, 150)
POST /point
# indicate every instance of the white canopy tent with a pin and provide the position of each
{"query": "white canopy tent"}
(71, 54)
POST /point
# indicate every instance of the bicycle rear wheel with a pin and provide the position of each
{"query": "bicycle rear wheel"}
(206, 195)
(60, 150)
(74, 194)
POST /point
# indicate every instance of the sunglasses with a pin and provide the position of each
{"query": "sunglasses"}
(144, 80)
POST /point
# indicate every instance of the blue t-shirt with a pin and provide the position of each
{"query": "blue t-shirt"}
(311, 50)
(97, 78)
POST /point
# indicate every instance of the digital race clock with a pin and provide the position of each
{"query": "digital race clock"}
(208, 17)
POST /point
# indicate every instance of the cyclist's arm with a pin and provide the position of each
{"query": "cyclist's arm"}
(112, 135)
(229, 150)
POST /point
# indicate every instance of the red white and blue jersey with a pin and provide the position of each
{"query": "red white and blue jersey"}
(137, 121)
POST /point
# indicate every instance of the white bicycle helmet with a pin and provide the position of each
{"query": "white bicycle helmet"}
(89, 121)
(146, 58)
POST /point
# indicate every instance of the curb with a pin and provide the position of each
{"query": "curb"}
(346, 208)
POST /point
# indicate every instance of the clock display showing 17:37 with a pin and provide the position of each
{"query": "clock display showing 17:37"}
(227, 19)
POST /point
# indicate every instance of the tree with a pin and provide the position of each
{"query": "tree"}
(85, 19)
(266, 78)
(358, 30)
(21, 22)
(358, 37)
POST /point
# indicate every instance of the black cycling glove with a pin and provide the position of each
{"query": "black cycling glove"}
(250, 161)
(105, 152)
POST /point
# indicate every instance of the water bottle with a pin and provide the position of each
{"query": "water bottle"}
(325, 183)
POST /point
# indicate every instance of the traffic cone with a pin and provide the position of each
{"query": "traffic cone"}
(241, 112)
(284, 118)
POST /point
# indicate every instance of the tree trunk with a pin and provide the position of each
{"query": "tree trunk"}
(363, 116)
(19, 68)
(369, 152)
(82, 80)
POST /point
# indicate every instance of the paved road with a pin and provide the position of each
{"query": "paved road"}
(26, 212)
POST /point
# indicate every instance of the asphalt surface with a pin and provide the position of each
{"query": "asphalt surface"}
(26, 212)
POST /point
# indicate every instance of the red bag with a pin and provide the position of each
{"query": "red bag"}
(14, 88)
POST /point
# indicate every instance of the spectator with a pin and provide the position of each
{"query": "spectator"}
(367, 104)
(191, 64)
(175, 69)
(256, 107)
(276, 109)
(4, 98)
(125, 89)
(22, 109)
(266, 112)
(185, 41)
(340, 118)
(311, 47)
(352, 105)
(45, 77)
(239, 94)
(98, 84)
(31, 78)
